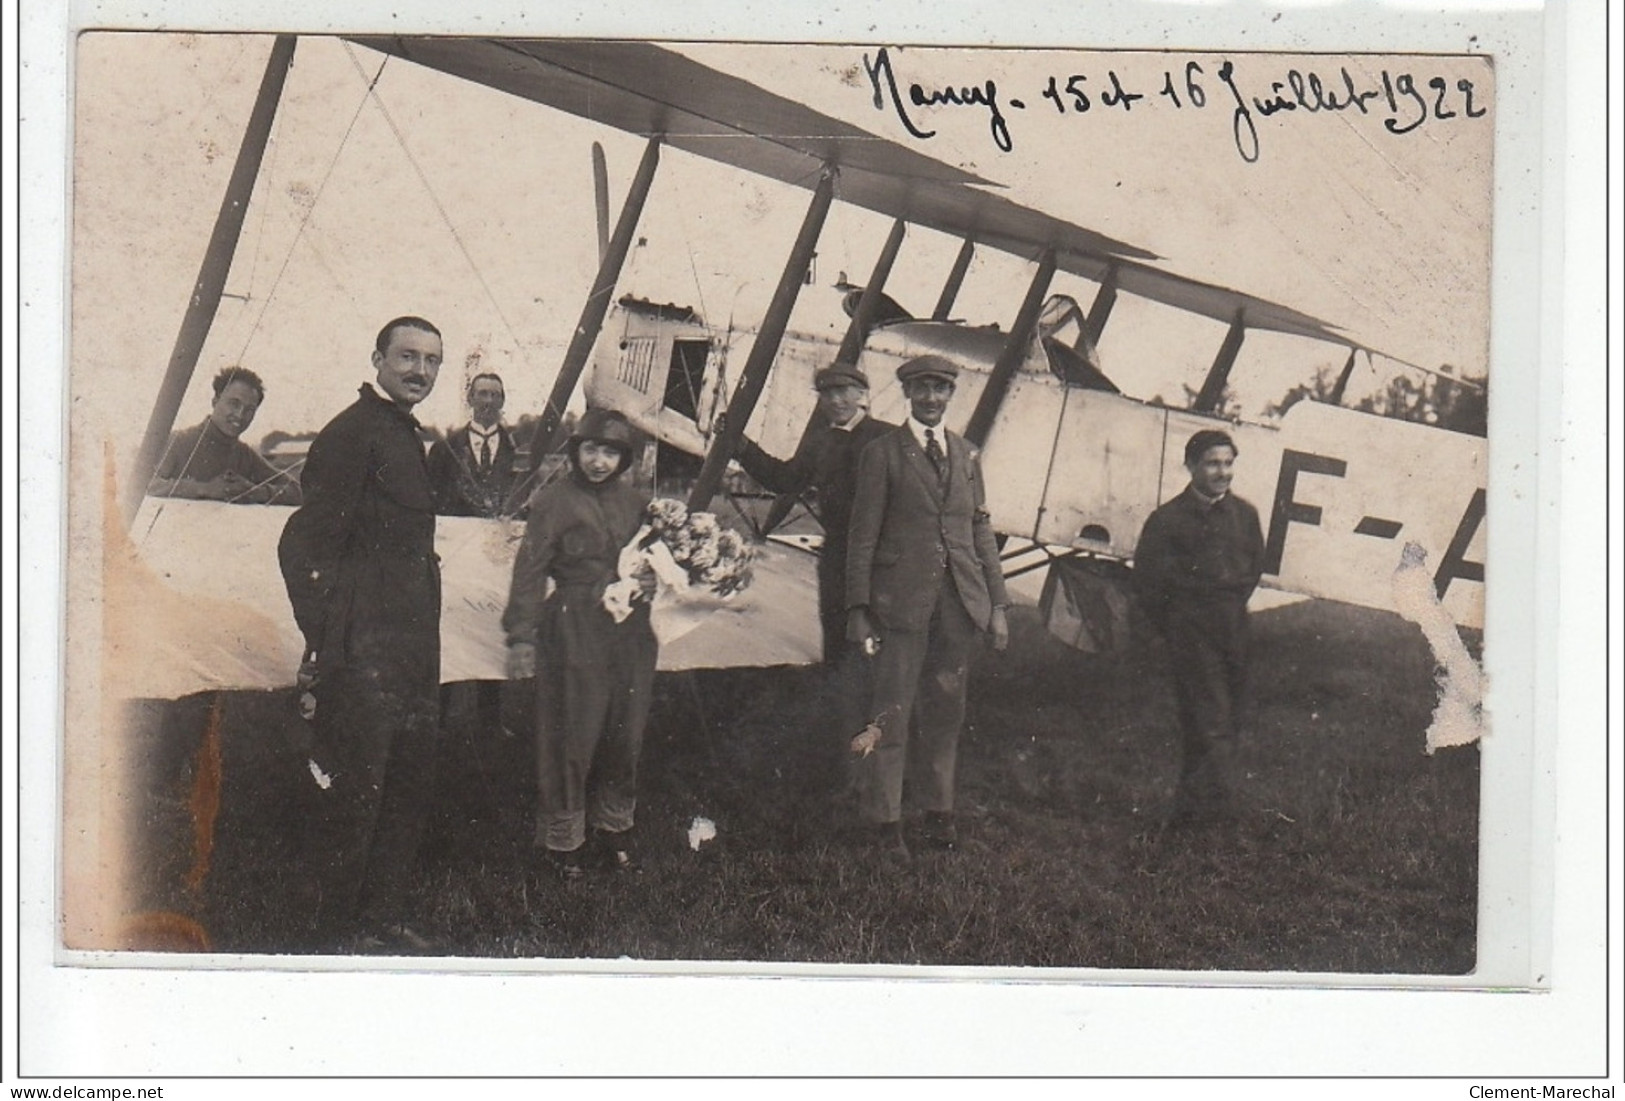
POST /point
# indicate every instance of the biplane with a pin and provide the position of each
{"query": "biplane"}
(1074, 464)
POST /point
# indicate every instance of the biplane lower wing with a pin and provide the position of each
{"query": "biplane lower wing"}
(1340, 492)
(176, 629)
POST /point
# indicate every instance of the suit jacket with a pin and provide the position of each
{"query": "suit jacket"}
(907, 532)
(460, 487)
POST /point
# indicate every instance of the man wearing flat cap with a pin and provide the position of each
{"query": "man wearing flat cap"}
(923, 579)
(1197, 563)
(826, 462)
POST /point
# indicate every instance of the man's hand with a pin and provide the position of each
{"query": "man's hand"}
(235, 487)
(228, 486)
(719, 425)
(648, 584)
(521, 660)
(999, 627)
(861, 631)
(305, 680)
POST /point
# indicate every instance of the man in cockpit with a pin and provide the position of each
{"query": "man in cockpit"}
(210, 462)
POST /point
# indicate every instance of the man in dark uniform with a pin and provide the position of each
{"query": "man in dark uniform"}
(826, 462)
(923, 579)
(1196, 565)
(472, 469)
(359, 563)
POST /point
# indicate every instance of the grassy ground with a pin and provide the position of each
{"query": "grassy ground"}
(1352, 850)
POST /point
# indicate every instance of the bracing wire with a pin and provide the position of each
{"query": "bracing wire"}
(688, 245)
(400, 139)
(265, 209)
(310, 210)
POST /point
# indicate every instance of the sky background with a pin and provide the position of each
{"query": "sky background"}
(474, 208)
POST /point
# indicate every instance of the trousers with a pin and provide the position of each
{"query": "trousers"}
(1208, 657)
(919, 681)
(594, 680)
(373, 763)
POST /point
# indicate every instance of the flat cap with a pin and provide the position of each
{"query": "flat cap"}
(929, 366)
(840, 373)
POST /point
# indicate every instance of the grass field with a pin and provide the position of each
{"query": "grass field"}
(1351, 850)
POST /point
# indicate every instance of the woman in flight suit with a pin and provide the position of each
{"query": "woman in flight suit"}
(593, 675)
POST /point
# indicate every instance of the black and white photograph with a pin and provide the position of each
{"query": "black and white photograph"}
(568, 504)
(1173, 635)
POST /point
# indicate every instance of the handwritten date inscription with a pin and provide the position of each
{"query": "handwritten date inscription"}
(1403, 101)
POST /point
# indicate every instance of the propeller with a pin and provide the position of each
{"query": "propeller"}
(600, 189)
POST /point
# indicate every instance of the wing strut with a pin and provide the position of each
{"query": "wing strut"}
(1336, 396)
(1101, 309)
(1212, 395)
(851, 346)
(1010, 356)
(597, 304)
(211, 277)
(766, 345)
(852, 342)
(956, 276)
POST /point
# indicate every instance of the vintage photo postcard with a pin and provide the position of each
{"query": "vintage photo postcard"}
(1107, 254)
(860, 508)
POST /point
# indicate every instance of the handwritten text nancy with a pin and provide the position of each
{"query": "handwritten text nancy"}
(1404, 101)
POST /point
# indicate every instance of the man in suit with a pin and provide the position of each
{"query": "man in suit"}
(923, 579)
(473, 467)
(472, 472)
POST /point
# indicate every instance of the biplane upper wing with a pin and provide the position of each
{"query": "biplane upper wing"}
(651, 91)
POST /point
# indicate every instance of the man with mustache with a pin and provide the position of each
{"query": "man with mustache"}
(211, 462)
(359, 563)
(472, 469)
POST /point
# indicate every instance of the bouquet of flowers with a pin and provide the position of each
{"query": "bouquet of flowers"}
(695, 561)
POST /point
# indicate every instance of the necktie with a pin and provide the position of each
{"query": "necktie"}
(933, 451)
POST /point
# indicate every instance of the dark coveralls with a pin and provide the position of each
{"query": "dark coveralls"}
(825, 461)
(594, 677)
(359, 563)
(1195, 567)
